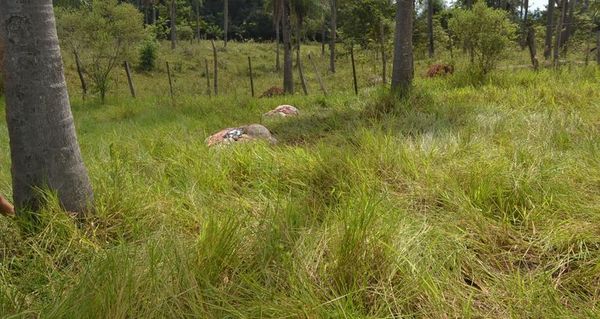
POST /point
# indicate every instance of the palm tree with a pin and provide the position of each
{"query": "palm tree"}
(43, 144)
(403, 71)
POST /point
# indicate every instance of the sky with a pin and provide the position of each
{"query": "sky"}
(537, 4)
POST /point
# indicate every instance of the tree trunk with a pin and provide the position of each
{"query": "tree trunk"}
(298, 59)
(288, 75)
(198, 20)
(524, 23)
(403, 71)
(549, 29)
(430, 27)
(532, 49)
(173, 25)
(598, 47)
(277, 37)
(569, 26)
(323, 38)
(559, 27)
(153, 14)
(333, 36)
(225, 21)
(43, 142)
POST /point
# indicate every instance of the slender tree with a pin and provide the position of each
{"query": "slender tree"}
(277, 19)
(225, 21)
(333, 36)
(430, 27)
(173, 25)
(598, 46)
(403, 72)
(288, 76)
(43, 144)
(569, 21)
(197, 4)
(559, 33)
(549, 29)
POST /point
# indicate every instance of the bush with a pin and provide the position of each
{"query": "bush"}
(485, 33)
(185, 32)
(148, 54)
(104, 33)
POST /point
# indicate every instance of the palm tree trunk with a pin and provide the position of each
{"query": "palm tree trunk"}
(225, 21)
(288, 76)
(43, 143)
(430, 27)
(403, 71)
(549, 30)
(333, 36)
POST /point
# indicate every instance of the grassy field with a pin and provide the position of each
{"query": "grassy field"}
(473, 199)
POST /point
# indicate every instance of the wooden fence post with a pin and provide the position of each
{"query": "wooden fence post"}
(170, 82)
(353, 69)
(216, 64)
(318, 74)
(80, 73)
(301, 73)
(207, 78)
(251, 76)
(129, 79)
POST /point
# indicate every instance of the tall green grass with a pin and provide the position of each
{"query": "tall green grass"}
(467, 200)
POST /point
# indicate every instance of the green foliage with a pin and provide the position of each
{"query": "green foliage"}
(148, 55)
(366, 22)
(485, 32)
(185, 33)
(105, 34)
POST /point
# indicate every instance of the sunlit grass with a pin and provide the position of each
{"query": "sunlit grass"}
(469, 200)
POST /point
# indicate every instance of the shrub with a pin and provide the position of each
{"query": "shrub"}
(148, 54)
(485, 33)
(185, 32)
(104, 33)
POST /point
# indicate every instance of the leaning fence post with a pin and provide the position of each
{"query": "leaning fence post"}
(170, 82)
(207, 78)
(353, 69)
(251, 76)
(80, 73)
(216, 64)
(129, 79)
(318, 74)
